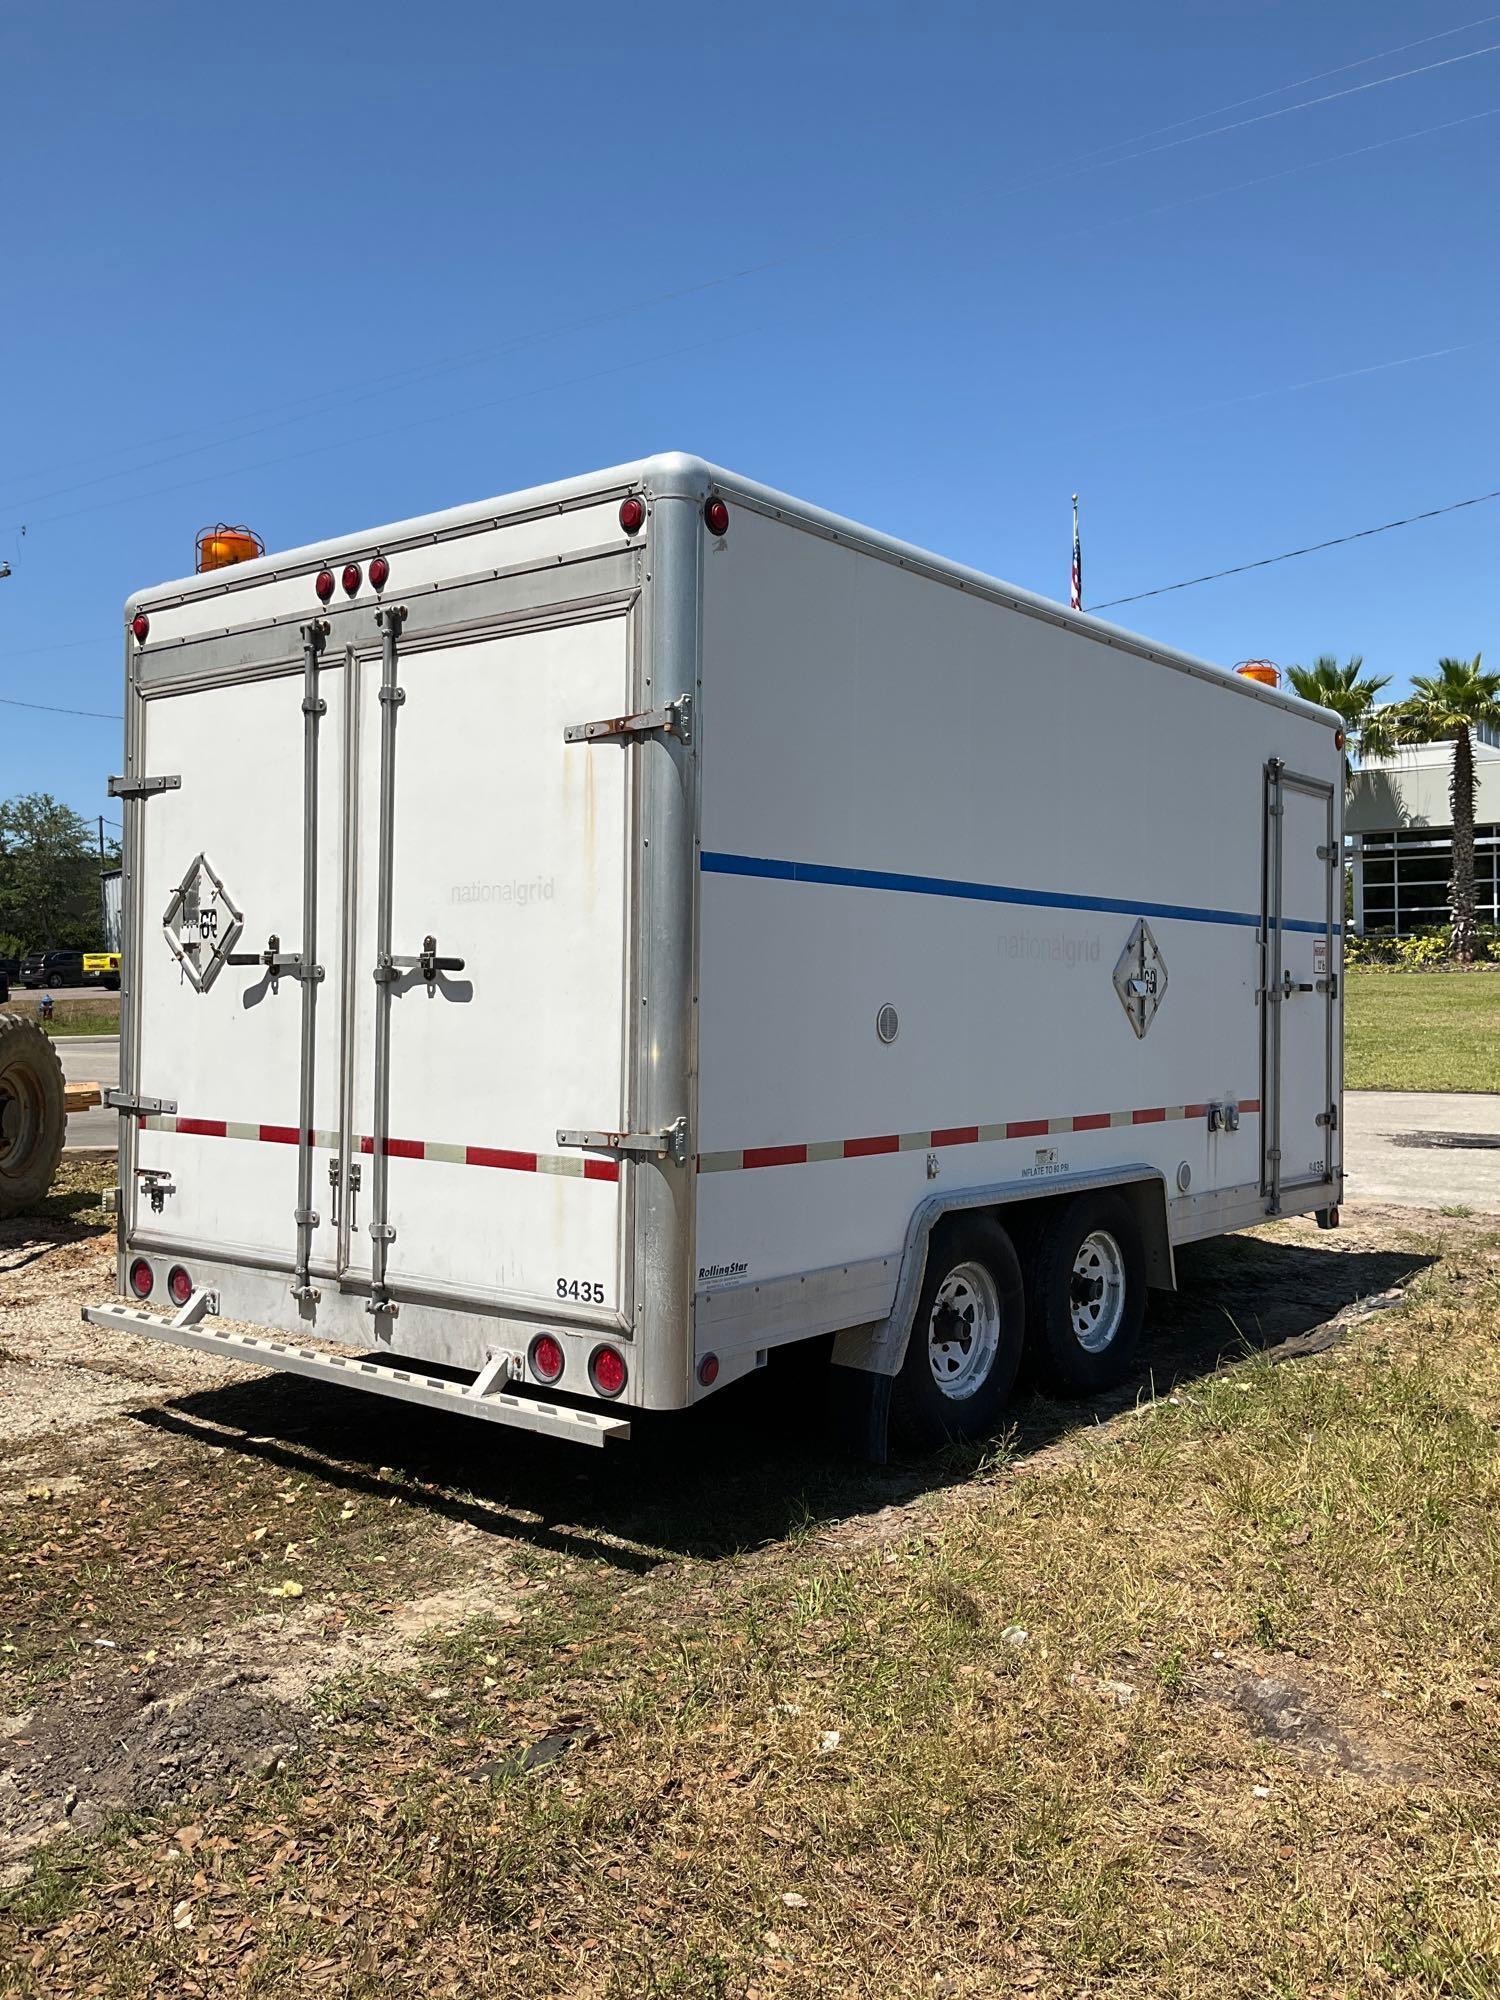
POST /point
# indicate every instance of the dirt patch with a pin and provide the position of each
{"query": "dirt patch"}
(1311, 1727)
(238, 1702)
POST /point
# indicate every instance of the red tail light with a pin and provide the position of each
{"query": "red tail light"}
(708, 1370)
(179, 1285)
(140, 625)
(546, 1358)
(607, 1371)
(324, 584)
(632, 515)
(353, 577)
(142, 1278)
(380, 571)
(716, 517)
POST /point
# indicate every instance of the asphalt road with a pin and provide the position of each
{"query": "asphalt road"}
(1423, 1149)
(91, 1059)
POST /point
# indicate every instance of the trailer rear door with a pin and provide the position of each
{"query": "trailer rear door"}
(1299, 1017)
(219, 858)
(509, 850)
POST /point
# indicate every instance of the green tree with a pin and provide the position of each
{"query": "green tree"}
(1449, 706)
(49, 875)
(1350, 692)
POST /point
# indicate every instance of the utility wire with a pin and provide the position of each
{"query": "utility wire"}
(407, 377)
(1288, 555)
(1280, 90)
(1113, 222)
(47, 708)
(1307, 104)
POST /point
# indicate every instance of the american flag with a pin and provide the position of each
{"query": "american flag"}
(1075, 595)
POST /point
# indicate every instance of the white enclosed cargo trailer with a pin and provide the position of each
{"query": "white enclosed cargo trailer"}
(585, 941)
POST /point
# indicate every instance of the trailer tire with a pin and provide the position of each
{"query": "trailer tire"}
(1086, 1294)
(33, 1113)
(967, 1335)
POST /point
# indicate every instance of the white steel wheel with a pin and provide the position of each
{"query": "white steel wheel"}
(1097, 1292)
(1085, 1292)
(967, 1333)
(963, 1331)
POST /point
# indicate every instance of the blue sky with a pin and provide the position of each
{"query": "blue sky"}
(318, 269)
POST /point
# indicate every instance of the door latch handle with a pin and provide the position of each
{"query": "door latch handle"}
(426, 962)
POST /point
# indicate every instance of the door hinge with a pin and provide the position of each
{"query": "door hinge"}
(140, 788)
(671, 1143)
(676, 719)
(1330, 1118)
(138, 1107)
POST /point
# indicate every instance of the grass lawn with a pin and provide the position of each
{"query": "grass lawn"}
(1422, 1031)
(1201, 1702)
(81, 1014)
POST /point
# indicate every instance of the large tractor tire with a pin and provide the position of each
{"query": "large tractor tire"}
(33, 1113)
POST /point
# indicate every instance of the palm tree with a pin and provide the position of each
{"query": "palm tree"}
(1350, 692)
(1449, 706)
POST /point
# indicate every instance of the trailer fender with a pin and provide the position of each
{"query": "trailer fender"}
(879, 1348)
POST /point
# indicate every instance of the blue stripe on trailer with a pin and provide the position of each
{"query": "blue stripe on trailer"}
(976, 892)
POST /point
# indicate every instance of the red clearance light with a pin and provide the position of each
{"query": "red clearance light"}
(140, 625)
(708, 1370)
(607, 1371)
(353, 578)
(141, 1278)
(632, 515)
(179, 1285)
(547, 1358)
(1338, 739)
(324, 584)
(716, 517)
(380, 571)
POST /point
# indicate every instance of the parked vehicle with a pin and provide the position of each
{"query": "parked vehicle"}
(662, 922)
(102, 968)
(52, 968)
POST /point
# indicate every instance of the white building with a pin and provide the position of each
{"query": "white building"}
(1400, 827)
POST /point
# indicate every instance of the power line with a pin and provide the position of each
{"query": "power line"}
(1288, 555)
(1307, 104)
(717, 340)
(48, 708)
(1280, 89)
(1280, 174)
(413, 373)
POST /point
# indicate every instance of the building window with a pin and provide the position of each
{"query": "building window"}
(1406, 872)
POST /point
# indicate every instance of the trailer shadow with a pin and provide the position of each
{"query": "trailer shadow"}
(753, 1466)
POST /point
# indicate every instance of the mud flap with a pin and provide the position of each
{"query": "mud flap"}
(859, 1412)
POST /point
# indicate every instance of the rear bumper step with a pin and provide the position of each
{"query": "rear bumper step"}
(550, 1419)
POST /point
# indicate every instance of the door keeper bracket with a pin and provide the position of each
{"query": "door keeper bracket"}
(676, 719)
(138, 1107)
(670, 1144)
(141, 788)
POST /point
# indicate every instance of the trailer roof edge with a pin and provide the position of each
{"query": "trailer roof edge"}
(686, 476)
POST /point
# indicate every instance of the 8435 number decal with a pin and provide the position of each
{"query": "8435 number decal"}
(584, 1290)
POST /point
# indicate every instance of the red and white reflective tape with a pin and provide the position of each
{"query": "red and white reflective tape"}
(590, 1167)
(949, 1135)
(572, 1166)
